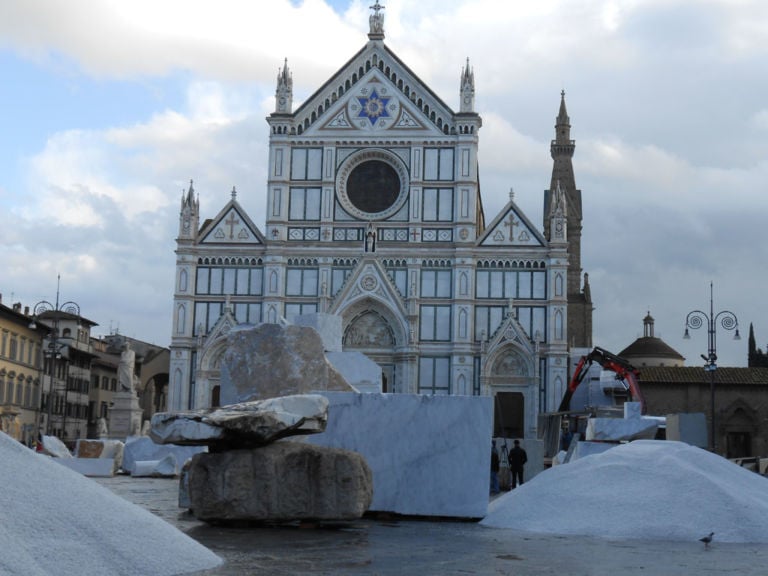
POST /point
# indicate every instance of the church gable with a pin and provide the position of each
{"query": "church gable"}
(231, 226)
(511, 228)
(369, 280)
(375, 92)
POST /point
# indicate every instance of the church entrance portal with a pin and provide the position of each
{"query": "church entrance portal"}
(370, 333)
(509, 415)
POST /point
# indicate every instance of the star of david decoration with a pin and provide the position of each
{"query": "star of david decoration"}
(373, 107)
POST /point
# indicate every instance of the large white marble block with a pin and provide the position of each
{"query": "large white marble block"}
(138, 448)
(360, 372)
(429, 455)
(688, 428)
(91, 467)
(164, 468)
(620, 429)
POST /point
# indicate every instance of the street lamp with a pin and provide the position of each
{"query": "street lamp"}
(727, 321)
(52, 350)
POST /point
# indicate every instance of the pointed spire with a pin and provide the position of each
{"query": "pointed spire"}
(563, 129)
(284, 92)
(376, 21)
(467, 89)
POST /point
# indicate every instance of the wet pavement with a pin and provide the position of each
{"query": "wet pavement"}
(397, 546)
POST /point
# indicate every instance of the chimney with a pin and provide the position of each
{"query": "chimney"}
(17, 307)
(26, 310)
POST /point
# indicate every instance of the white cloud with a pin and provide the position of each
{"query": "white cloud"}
(665, 98)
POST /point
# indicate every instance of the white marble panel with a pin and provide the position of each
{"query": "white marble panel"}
(92, 467)
(618, 429)
(139, 448)
(360, 372)
(429, 455)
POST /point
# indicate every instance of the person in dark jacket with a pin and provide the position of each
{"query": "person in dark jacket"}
(494, 468)
(517, 460)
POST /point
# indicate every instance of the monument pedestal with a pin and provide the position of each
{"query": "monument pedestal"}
(125, 416)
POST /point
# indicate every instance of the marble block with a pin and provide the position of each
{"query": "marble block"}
(164, 468)
(328, 326)
(243, 425)
(362, 373)
(284, 481)
(583, 449)
(138, 448)
(428, 454)
(91, 467)
(271, 360)
(620, 429)
(87, 448)
(52, 446)
(689, 428)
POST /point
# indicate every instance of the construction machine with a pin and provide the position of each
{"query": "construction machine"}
(558, 428)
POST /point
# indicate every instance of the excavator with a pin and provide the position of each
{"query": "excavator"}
(556, 428)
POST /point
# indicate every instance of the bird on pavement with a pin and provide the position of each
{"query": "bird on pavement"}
(707, 540)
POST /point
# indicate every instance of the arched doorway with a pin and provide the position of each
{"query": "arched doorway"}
(372, 334)
(509, 378)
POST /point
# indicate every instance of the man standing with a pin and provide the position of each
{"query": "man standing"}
(517, 460)
(494, 468)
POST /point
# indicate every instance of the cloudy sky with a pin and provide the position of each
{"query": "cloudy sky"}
(109, 107)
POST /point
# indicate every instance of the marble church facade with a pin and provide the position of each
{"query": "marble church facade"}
(374, 214)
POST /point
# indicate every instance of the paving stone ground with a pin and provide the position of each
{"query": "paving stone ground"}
(384, 547)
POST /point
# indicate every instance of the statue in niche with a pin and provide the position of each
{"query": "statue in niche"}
(102, 427)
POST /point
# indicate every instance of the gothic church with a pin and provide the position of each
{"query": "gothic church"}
(374, 214)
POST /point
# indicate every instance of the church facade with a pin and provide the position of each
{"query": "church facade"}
(374, 214)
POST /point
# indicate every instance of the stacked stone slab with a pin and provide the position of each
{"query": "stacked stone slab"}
(251, 473)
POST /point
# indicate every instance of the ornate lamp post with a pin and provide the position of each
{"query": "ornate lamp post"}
(52, 349)
(728, 321)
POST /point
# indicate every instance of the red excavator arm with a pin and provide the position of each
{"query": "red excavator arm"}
(623, 370)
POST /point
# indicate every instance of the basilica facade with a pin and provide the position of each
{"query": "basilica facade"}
(374, 214)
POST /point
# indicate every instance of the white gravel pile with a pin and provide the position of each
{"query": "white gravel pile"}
(647, 489)
(56, 521)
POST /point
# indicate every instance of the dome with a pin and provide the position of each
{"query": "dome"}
(651, 351)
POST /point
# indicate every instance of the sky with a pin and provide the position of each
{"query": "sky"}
(109, 108)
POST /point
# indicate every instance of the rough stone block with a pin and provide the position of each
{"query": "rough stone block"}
(328, 326)
(282, 482)
(271, 360)
(243, 425)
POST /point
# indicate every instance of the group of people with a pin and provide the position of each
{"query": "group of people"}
(516, 459)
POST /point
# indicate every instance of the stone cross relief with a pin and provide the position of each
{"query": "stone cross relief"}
(231, 221)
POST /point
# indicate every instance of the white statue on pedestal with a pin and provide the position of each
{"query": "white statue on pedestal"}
(125, 369)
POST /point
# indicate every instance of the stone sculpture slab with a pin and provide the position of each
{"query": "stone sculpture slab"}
(282, 482)
(138, 448)
(272, 360)
(429, 455)
(91, 467)
(620, 429)
(243, 425)
(164, 468)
